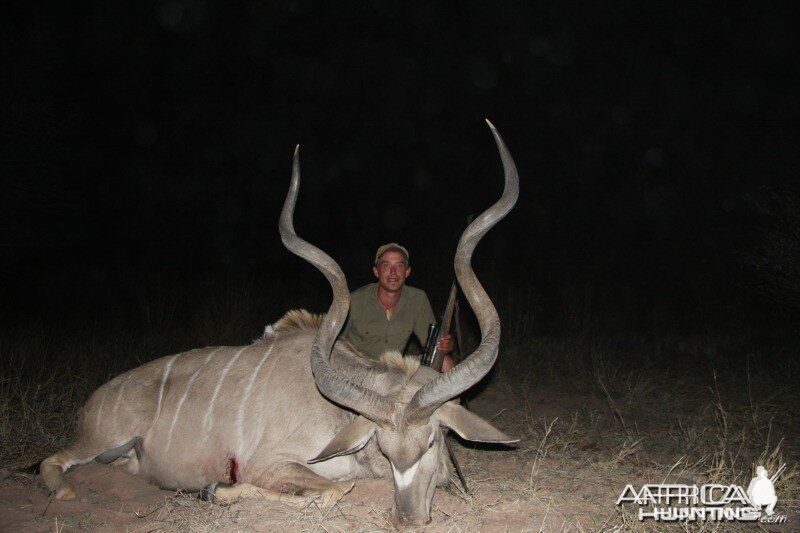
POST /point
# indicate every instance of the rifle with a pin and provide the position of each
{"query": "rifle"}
(434, 358)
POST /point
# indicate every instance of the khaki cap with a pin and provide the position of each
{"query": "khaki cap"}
(391, 247)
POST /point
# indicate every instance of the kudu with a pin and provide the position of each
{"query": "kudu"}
(297, 412)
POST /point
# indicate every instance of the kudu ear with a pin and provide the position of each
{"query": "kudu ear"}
(470, 426)
(350, 439)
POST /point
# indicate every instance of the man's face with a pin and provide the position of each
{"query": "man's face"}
(391, 271)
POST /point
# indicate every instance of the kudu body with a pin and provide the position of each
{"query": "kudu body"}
(296, 412)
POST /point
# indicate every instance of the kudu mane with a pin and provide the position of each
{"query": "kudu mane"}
(301, 321)
(297, 320)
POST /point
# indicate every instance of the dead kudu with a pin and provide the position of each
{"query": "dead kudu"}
(297, 413)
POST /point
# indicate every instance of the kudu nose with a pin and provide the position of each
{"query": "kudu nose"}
(410, 519)
(413, 521)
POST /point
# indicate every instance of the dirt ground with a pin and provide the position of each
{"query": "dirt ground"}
(565, 475)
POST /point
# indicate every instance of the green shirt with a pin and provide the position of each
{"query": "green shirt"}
(372, 333)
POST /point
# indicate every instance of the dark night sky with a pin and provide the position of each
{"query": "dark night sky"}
(157, 137)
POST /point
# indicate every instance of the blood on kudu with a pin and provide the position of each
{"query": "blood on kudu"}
(233, 470)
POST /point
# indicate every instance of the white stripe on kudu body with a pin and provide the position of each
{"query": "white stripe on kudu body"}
(119, 398)
(208, 421)
(240, 422)
(185, 394)
(164, 377)
(100, 411)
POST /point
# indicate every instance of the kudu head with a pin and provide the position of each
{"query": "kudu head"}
(405, 414)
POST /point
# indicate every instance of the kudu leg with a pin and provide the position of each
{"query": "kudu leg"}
(52, 471)
(53, 468)
(288, 482)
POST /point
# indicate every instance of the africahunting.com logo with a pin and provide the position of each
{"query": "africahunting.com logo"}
(712, 501)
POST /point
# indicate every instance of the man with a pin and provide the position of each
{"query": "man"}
(383, 315)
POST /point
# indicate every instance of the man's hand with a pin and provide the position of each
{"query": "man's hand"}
(445, 344)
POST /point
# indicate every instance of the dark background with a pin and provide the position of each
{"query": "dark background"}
(150, 145)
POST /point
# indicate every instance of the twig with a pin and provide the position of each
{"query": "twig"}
(540, 453)
(613, 406)
(503, 410)
(49, 501)
(673, 468)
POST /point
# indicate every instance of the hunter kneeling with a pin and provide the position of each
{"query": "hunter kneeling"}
(384, 314)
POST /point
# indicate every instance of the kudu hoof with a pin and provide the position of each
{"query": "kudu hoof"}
(207, 495)
(65, 492)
